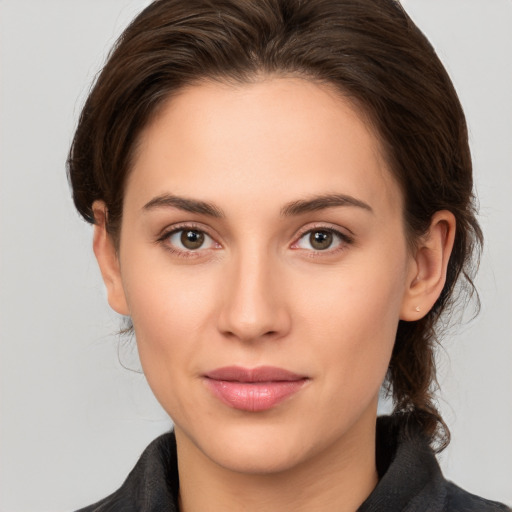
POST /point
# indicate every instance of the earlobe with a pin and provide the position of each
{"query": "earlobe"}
(108, 261)
(427, 278)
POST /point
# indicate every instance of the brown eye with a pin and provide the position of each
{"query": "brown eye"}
(321, 240)
(191, 239)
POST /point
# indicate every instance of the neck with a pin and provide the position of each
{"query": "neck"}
(340, 478)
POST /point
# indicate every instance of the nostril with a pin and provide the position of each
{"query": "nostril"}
(251, 311)
(250, 334)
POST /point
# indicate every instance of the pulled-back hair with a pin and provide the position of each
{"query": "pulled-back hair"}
(372, 53)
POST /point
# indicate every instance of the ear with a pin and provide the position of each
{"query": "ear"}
(427, 274)
(108, 261)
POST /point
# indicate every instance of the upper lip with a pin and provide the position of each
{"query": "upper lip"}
(259, 374)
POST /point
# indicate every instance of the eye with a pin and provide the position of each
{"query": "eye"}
(190, 240)
(321, 240)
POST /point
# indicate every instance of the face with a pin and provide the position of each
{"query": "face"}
(264, 264)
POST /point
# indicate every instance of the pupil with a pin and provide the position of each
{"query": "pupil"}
(192, 239)
(320, 240)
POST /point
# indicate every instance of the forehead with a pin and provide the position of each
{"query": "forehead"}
(277, 138)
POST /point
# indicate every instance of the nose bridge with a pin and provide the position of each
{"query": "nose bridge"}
(253, 303)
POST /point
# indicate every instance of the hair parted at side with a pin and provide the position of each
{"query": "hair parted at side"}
(372, 53)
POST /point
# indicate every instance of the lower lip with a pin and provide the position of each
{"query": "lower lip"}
(254, 396)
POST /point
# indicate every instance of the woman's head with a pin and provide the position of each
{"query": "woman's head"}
(366, 53)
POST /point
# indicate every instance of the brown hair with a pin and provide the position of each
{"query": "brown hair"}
(370, 51)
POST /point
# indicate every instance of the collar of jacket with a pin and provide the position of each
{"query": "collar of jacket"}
(410, 479)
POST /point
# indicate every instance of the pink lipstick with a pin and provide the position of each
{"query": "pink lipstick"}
(256, 389)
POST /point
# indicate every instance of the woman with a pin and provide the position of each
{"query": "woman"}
(282, 200)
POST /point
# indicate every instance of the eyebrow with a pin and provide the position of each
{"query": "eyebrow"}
(183, 203)
(322, 202)
(290, 209)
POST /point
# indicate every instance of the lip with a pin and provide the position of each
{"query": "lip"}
(253, 389)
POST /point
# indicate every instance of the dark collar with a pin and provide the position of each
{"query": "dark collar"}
(409, 475)
(410, 479)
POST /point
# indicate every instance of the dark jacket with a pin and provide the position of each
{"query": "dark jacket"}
(410, 479)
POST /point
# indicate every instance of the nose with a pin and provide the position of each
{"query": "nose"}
(255, 305)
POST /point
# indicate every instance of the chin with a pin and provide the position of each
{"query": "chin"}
(264, 456)
(260, 445)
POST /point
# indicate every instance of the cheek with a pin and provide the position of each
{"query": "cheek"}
(355, 298)
(352, 322)
(169, 310)
(168, 315)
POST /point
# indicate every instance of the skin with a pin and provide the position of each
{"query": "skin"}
(258, 293)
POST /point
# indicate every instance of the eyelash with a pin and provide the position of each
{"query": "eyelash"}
(344, 240)
(164, 240)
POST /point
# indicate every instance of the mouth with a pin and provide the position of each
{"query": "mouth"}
(253, 389)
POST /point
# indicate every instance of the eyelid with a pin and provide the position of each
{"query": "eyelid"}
(346, 239)
(322, 226)
(173, 228)
(164, 235)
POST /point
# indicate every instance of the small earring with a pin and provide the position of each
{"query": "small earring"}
(418, 309)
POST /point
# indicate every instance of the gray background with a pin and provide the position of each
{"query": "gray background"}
(73, 420)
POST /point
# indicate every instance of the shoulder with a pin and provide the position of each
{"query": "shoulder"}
(410, 477)
(459, 500)
(152, 485)
(113, 503)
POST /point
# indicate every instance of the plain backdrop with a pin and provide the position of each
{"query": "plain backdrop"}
(73, 420)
